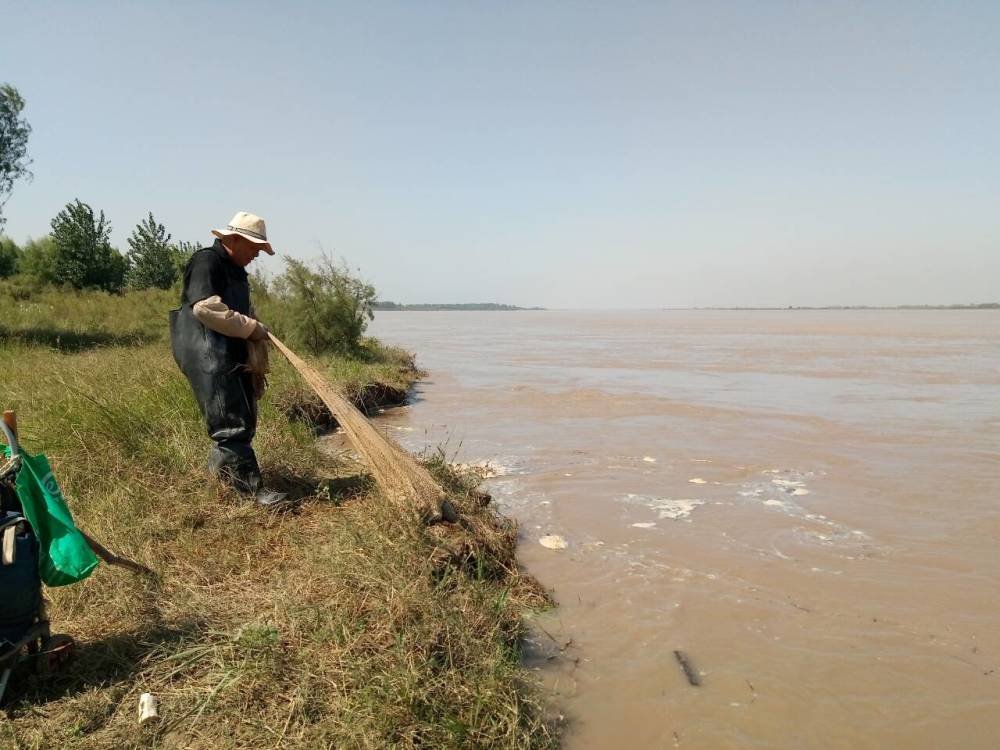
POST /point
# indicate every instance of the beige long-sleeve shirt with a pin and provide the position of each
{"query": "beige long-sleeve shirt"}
(213, 313)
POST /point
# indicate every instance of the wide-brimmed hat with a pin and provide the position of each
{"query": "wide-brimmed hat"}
(249, 226)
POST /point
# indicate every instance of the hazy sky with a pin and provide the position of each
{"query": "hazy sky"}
(566, 154)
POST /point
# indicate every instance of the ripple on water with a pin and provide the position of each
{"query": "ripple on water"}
(776, 489)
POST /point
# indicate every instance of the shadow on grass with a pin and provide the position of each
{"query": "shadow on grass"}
(72, 341)
(95, 664)
(337, 491)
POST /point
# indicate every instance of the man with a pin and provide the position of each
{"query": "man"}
(212, 334)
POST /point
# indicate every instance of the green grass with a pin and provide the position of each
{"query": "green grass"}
(338, 625)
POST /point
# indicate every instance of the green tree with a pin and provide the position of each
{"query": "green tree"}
(150, 259)
(84, 257)
(324, 308)
(10, 257)
(38, 260)
(14, 132)
(181, 253)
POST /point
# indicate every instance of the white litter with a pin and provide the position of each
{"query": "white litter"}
(148, 708)
(553, 541)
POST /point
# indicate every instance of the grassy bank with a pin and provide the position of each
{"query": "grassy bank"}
(337, 625)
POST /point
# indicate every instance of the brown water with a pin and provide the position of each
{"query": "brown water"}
(806, 503)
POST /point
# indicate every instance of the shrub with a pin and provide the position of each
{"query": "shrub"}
(10, 255)
(38, 260)
(323, 308)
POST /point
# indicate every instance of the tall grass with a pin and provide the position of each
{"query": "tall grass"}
(337, 625)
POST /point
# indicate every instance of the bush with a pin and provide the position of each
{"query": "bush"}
(38, 260)
(324, 308)
(10, 255)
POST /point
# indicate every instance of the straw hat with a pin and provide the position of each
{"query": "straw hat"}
(249, 226)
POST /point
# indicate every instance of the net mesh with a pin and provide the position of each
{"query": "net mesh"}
(396, 472)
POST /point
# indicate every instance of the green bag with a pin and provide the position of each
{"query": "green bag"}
(64, 557)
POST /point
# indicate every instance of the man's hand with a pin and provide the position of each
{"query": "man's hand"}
(259, 333)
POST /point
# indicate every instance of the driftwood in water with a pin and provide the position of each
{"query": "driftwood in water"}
(688, 668)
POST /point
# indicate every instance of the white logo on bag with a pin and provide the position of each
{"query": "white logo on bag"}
(50, 486)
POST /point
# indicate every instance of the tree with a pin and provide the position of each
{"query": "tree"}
(38, 259)
(324, 308)
(151, 259)
(10, 256)
(14, 131)
(84, 257)
(181, 253)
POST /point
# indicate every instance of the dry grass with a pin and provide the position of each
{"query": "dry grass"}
(338, 625)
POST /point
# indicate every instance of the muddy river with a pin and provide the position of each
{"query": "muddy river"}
(806, 505)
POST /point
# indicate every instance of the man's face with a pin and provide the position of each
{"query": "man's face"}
(241, 250)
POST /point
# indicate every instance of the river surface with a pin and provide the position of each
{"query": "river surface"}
(805, 504)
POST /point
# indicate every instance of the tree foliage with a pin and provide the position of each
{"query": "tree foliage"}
(10, 257)
(151, 257)
(83, 255)
(38, 260)
(324, 307)
(181, 253)
(14, 132)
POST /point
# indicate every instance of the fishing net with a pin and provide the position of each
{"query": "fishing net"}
(396, 472)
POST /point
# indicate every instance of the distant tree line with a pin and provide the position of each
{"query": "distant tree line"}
(386, 305)
(78, 253)
(967, 306)
(322, 306)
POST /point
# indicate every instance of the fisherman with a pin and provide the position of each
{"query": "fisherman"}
(221, 348)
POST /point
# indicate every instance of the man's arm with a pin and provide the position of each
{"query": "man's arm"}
(213, 313)
(204, 281)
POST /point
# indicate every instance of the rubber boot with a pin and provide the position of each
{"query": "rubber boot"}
(271, 498)
(236, 464)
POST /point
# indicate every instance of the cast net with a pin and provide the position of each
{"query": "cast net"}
(397, 473)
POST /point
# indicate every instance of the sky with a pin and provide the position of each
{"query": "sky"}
(562, 154)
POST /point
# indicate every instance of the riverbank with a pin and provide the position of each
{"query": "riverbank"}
(336, 625)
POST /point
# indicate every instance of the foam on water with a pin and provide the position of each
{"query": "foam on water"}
(777, 493)
(673, 508)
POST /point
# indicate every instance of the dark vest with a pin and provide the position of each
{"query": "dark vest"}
(209, 272)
